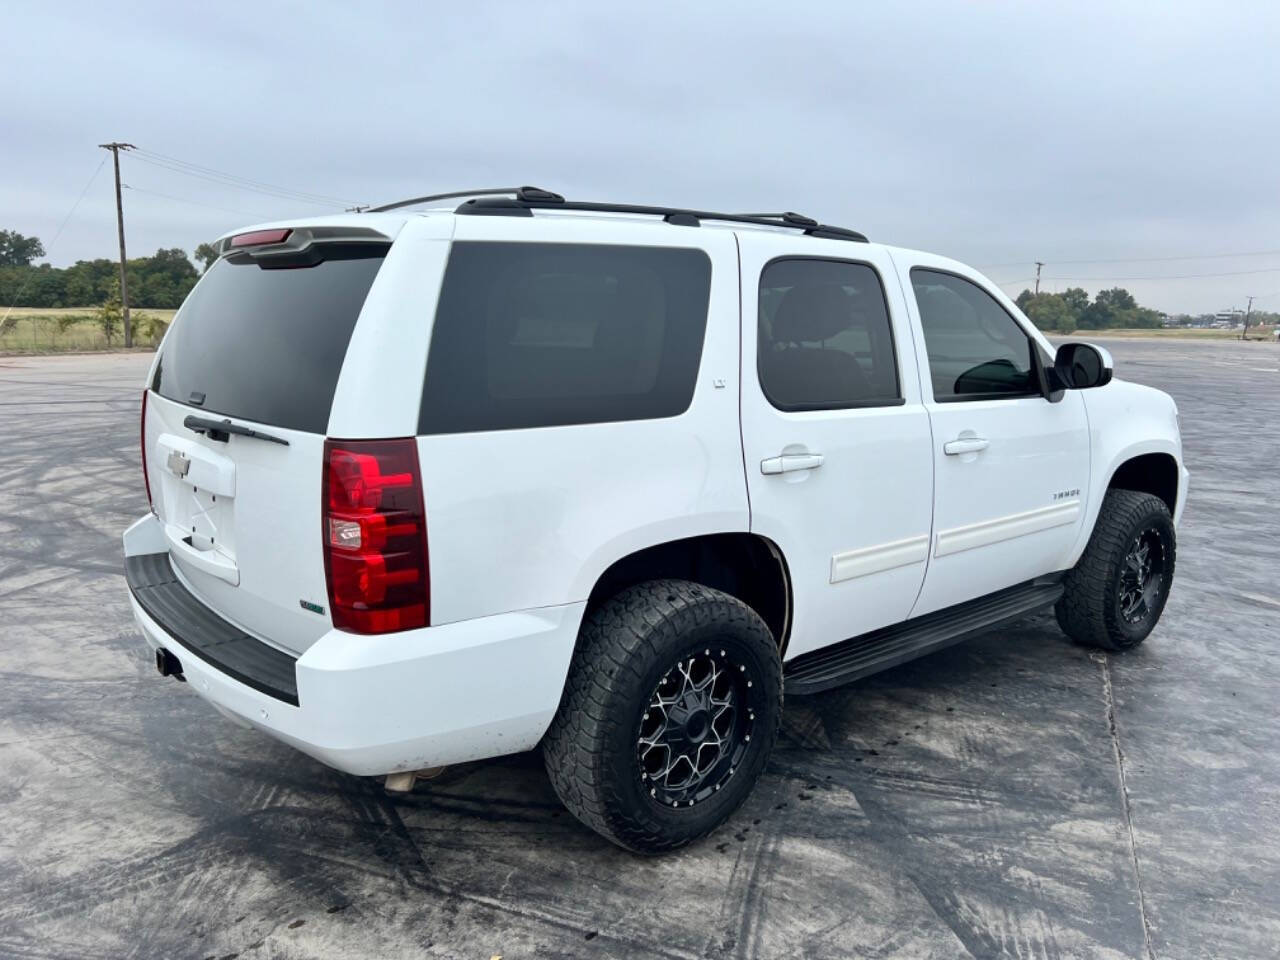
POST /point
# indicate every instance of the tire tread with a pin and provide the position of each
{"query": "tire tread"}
(1086, 612)
(614, 640)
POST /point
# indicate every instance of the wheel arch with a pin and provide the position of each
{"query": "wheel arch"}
(1150, 466)
(747, 566)
(1155, 473)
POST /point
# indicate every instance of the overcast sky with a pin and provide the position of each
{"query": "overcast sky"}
(996, 133)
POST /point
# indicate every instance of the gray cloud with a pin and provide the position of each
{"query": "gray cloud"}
(995, 133)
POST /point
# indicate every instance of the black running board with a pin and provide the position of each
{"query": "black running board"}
(881, 649)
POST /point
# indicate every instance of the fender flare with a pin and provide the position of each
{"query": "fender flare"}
(1104, 472)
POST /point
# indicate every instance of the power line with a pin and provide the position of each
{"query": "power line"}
(237, 182)
(198, 203)
(211, 172)
(1177, 276)
(1202, 256)
(62, 226)
(278, 195)
(231, 176)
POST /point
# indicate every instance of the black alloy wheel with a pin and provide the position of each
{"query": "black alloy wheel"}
(696, 728)
(1141, 576)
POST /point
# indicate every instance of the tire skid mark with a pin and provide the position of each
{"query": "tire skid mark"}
(46, 948)
(394, 844)
(969, 926)
(1109, 701)
(753, 914)
(243, 836)
(733, 920)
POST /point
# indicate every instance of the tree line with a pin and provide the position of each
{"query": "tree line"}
(1072, 309)
(162, 280)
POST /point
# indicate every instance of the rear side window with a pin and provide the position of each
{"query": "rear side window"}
(268, 344)
(976, 350)
(540, 335)
(823, 339)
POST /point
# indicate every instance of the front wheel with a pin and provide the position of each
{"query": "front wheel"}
(1117, 591)
(670, 709)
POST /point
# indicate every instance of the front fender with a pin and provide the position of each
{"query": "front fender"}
(1127, 420)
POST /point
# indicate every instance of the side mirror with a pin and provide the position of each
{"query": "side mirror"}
(1079, 366)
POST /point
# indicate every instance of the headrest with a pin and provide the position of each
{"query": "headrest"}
(941, 309)
(810, 312)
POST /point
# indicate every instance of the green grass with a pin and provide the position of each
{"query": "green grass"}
(70, 329)
(1194, 333)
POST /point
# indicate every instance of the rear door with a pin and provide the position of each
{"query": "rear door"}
(836, 440)
(257, 348)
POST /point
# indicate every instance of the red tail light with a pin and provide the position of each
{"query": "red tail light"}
(260, 236)
(375, 536)
(146, 478)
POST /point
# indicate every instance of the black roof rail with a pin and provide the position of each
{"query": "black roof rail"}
(522, 203)
(533, 193)
(794, 219)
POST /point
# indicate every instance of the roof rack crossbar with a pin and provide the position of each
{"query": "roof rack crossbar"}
(519, 192)
(523, 205)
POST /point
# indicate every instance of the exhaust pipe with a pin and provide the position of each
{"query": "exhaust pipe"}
(168, 665)
(402, 783)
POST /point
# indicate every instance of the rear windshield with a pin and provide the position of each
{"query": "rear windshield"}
(545, 334)
(268, 344)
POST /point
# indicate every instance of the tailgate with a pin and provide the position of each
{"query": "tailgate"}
(235, 428)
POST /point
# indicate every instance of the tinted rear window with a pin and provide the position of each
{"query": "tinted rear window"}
(536, 335)
(824, 340)
(267, 345)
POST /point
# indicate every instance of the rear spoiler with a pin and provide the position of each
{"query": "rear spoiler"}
(294, 247)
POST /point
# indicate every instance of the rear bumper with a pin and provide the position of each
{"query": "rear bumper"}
(379, 704)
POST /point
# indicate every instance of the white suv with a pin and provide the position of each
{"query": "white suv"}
(432, 487)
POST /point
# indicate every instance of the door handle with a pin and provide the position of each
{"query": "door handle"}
(953, 448)
(791, 462)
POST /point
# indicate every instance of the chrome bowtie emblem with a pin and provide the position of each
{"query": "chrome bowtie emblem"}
(178, 463)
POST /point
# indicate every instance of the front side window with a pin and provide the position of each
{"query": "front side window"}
(823, 337)
(552, 334)
(976, 350)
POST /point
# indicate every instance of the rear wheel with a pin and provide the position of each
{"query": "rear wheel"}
(1117, 591)
(670, 709)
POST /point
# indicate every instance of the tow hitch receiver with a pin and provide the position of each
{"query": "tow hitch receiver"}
(168, 665)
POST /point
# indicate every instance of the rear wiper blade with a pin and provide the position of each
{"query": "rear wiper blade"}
(221, 430)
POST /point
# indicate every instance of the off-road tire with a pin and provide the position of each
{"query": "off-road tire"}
(1091, 611)
(626, 648)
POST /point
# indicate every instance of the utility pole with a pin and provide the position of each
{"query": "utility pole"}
(115, 149)
(1039, 264)
(1248, 310)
